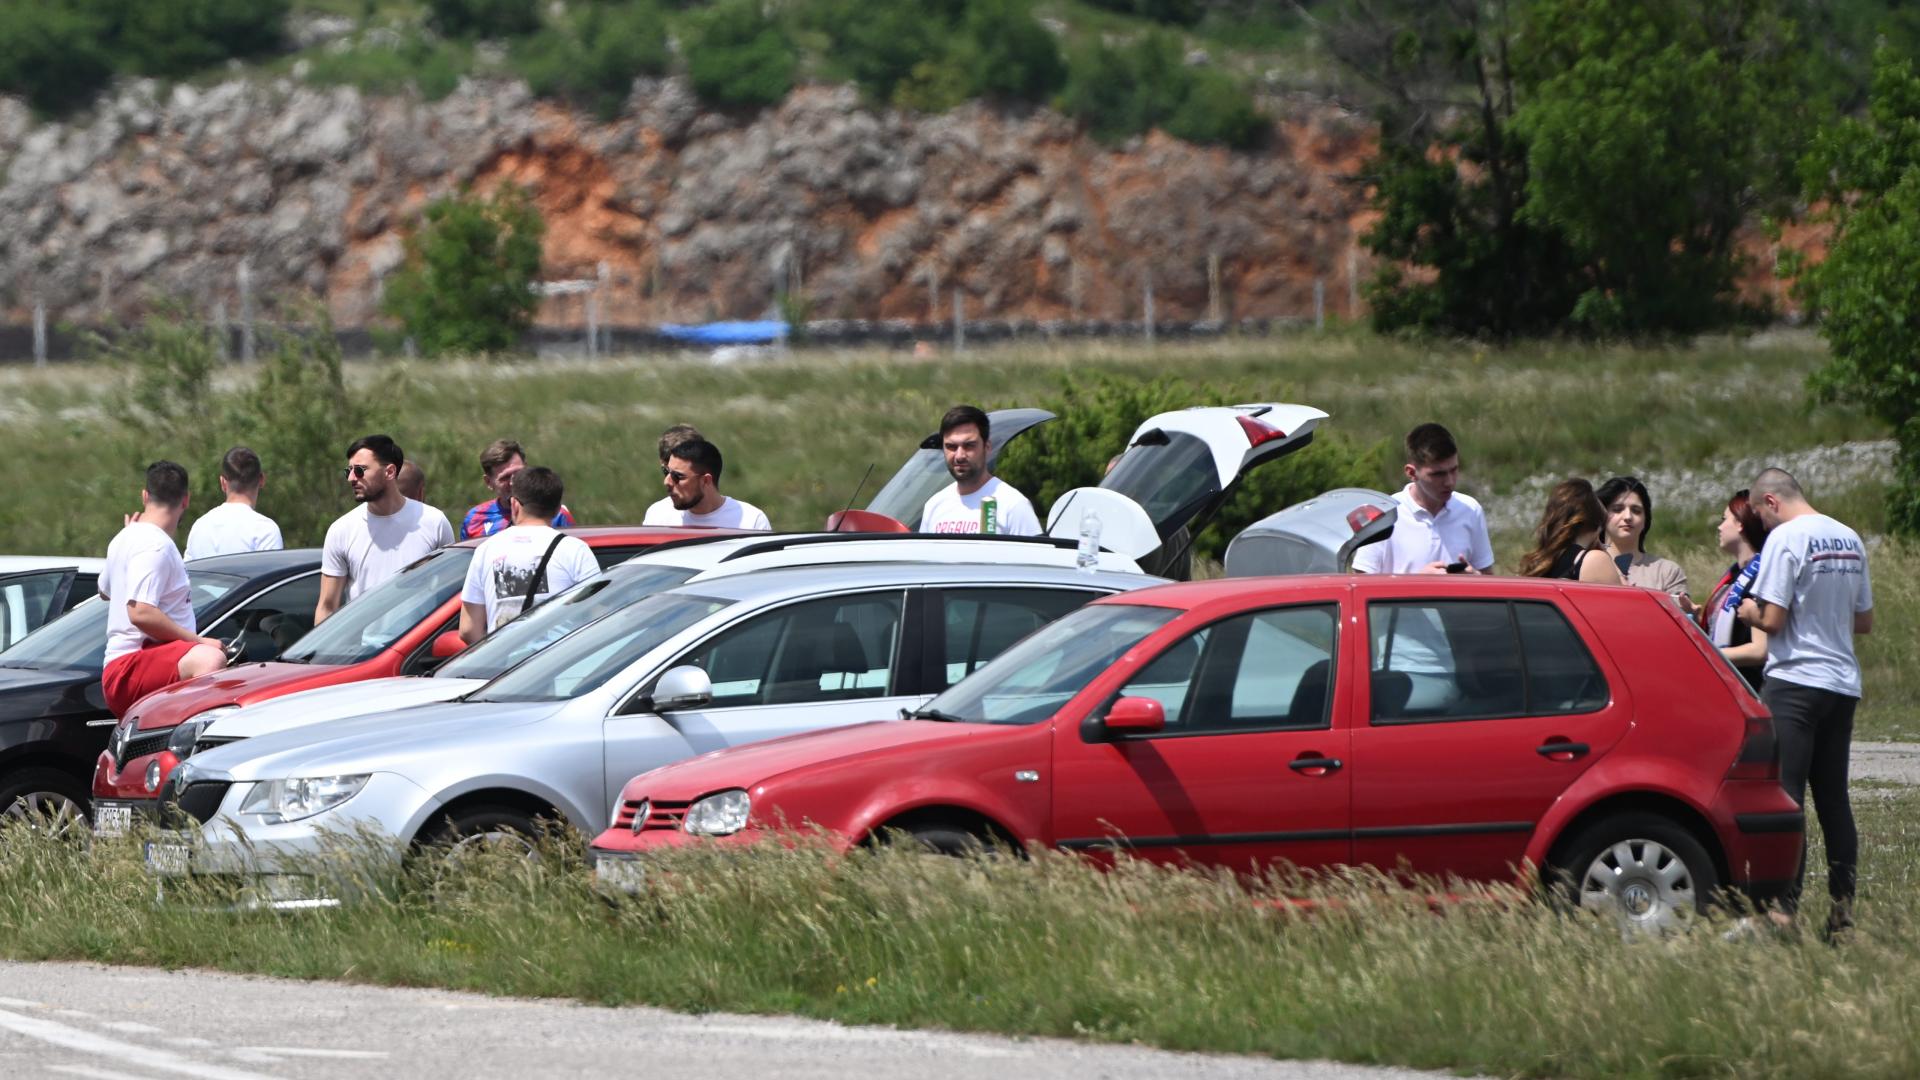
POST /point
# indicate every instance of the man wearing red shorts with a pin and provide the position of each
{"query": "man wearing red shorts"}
(151, 638)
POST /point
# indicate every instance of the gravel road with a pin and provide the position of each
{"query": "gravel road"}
(108, 1023)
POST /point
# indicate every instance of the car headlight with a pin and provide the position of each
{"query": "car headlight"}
(184, 735)
(721, 814)
(300, 797)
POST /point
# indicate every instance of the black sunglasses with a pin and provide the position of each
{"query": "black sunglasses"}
(354, 471)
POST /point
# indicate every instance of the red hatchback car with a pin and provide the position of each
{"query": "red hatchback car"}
(395, 629)
(1455, 727)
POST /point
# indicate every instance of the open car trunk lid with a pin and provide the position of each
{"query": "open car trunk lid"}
(1318, 536)
(925, 473)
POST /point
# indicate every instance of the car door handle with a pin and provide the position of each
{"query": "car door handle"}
(1554, 749)
(1314, 766)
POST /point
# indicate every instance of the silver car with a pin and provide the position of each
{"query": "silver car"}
(699, 667)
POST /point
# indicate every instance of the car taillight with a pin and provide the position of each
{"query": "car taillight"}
(1759, 757)
(1258, 432)
(1362, 516)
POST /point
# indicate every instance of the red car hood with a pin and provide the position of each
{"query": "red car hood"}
(838, 749)
(241, 685)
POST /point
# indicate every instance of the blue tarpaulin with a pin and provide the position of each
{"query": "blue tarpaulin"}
(729, 333)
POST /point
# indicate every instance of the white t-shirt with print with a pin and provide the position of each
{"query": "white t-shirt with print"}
(948, 511)
(144, 566)
(232, 527)
(1816, 568)
(505, 562)
(731, 514)
(368, 548)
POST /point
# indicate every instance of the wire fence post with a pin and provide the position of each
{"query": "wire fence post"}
(222, 333)
(1216, 312)
(246, 311)
(933, 294)
(1319, 303)
(106, 293)
(1353, 282)
(39, 333)
(959, 320)
(1073, 289)
(1146, 307)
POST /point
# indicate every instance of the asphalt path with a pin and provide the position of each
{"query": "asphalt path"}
(61, 1021)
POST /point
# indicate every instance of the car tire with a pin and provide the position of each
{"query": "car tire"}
(482, 826)
(944, 840)
(1644, 870)
(42, 796)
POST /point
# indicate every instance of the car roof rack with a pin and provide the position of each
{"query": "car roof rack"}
(785, 542)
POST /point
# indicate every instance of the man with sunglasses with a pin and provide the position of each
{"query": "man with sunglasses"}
(381, 536)
(692, 477)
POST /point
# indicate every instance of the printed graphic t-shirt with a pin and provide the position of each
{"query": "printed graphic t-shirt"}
(1816, 568)
(948, 511)
(232, 527)
(504, 565)
(143, 565)
(368, 548)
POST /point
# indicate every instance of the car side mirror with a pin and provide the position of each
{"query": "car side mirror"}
(1126, 716)
(446, 645)
(683, 687)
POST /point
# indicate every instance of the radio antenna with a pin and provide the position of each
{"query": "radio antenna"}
(851, 498)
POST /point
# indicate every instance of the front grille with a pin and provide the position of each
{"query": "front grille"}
(200, 801)
(664, 815)
(201, 746)
(142, 744)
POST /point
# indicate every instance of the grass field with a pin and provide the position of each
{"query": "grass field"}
(1050, 947)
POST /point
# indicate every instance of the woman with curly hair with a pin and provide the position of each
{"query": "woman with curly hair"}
(1568, 538)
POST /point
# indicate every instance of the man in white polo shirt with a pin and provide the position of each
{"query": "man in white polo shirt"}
(1437, 531)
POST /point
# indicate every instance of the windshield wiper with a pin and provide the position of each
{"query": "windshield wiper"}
(931, 714)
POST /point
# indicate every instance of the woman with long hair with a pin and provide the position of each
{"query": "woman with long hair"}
(1629, 520)
(1568, 534)
(1742, 535)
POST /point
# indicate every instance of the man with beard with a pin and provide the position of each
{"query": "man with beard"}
(692, 477)
(977, 501)
(662, 512)
(381, 536)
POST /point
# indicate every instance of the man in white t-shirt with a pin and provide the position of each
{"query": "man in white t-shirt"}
(529, 558)
(692, 476)
(1812, 596)
(152, 640)
(380, 537)
(1436, 530)
(662, 511)
(977, 501)
(235, 525)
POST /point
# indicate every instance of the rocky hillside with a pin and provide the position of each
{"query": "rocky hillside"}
(694, 214)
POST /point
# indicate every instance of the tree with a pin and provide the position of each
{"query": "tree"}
(736, 55)
(467, 282)
(1866, 172)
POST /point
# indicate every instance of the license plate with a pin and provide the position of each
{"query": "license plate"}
(111, 821)
(168, 860)
(619, 875)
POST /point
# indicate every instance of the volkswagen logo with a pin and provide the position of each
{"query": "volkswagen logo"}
(640, 814)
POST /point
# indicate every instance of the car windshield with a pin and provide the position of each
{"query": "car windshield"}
(907, 493)
(377, 618)
(1169, 473)
(579, 606)
(1025, 684)
(584, 661)
(78, 639)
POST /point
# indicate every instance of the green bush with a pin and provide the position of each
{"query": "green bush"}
(934, 54)
(1119, 92)
(738, 56)
(1008, 54)
(592, 60)
(1178, 12)
(1097, 414)
(51, 55)
(467, 283)
(485, 18)
(178, 37)
(433, 67)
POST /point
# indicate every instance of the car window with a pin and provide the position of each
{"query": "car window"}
(979, 624)
(78, 639)
(1258, 671)
(585, 603)
(1028, 682)
(1169, 473)
(266, 624)
(26, 601)
(1477, 660)
(377, 618)
(838, 648)
(585, 660)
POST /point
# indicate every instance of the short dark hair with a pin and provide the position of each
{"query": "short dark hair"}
(675, 436)
(1778, 483)
(385, 450)
(498, 453)
(1619, 486)
(539, 490)
(702, 455)
(167, 483)
(241, 468)
(1429, 443)
(961, 416)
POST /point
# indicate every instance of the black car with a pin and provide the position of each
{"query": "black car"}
(53, 718)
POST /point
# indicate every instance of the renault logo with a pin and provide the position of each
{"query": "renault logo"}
(121, 735)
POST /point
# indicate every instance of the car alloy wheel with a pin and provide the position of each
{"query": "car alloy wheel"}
(1644, 870)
